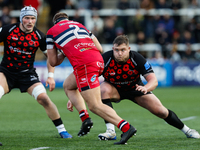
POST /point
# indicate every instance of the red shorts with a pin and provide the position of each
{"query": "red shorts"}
(87, 75)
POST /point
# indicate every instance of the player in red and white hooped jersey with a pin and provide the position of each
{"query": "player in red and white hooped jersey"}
(75, 41)
(83, 51)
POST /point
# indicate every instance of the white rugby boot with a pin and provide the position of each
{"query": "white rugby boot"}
(191, 133)
(108, 135)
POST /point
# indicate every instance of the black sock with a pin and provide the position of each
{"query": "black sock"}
(57, 122)
(107, 102)
(173, 120)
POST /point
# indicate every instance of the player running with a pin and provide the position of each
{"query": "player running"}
(83, 51)
(21, 41)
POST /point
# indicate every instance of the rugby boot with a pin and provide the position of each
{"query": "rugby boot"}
(191, 133)
(86, 126)
(127, 135)
(65, 135)
(108, 135)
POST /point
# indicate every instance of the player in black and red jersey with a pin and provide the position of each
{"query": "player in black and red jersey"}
(122, 71)
(21, 41)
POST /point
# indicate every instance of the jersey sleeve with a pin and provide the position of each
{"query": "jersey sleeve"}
(107, 56)
(42, 39)
(50, 40)
(3, 33)
(91, 35)
(143, 65)
(43, 45)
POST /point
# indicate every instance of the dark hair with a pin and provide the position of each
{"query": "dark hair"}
(59, 16)
(121, 39)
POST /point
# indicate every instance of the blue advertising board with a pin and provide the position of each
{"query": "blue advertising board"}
(60, 74)
(167, 73)
(163, 72)
(186, 74)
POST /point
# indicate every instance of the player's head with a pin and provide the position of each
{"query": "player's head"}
(121, 39)
(121, 48)
(28, 11)
(59, 16)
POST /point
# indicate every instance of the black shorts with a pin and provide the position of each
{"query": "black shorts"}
(21, 80)
(130, 95)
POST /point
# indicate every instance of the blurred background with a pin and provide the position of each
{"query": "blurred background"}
(166, 32)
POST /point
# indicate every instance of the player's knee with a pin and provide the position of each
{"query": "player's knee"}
(2, 92)
(105, 92)
(91, 107)
(161, 113)
(65, 88)
(95, 108)
(44, 100)
(39, 91)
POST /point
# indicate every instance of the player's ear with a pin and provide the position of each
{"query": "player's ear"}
(112, 48)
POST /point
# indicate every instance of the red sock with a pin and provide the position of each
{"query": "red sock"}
(123, 126)
(83, 114)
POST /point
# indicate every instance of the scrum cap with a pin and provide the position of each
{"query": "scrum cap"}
(28, 11)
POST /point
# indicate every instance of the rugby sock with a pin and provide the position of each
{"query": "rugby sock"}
(107, 102)
(173, 120)
(59, 125)
(124, 126)
(185, 129)
(110, 126)
(1, 91)
(83, 114)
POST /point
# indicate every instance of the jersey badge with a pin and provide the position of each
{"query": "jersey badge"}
(147, 65)
(33, 78)
(93, 78)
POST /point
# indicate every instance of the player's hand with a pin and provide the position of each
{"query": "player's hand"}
(141, 89)
(70, 106)
(51, 82)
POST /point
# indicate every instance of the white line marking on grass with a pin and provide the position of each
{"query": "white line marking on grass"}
(40, 148)
(188, 118)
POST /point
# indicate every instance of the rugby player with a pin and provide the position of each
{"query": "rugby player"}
(122, 71)
(21, 41)
(82, 49)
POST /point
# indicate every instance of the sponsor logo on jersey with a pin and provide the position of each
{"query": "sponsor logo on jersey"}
(83, 44)
(83, 79)
(93, 78)
(83, 49)
(99, 64)
(126, 82)
(15, 38)
(14, 49)
(112, 73)
(147, 65)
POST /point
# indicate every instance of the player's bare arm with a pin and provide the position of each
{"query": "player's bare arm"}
(55, 59)
(97, 44)
(50, 80)
(152, 83)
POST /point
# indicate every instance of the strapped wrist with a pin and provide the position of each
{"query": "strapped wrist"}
(51, 74)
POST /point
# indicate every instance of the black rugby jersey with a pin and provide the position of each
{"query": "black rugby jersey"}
(125, 76)
(20, 47)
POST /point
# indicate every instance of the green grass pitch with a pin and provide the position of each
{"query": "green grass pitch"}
(24, 124)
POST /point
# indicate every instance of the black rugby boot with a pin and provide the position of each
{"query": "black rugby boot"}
(86, 126)
(127, 135)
